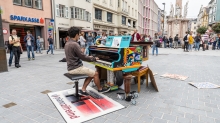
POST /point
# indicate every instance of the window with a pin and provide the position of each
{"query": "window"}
(61, 10)
(88, 1)
(81, 14)
(213, 18)
(28, 3)
(124, 20)
(125, 7)
(134, 24)
(66, 12)
(111, 3)
(128, 9)
(38, 4)
(132, 11)
(98, 14)
(18, 2)
(194, 27)
(109, 17)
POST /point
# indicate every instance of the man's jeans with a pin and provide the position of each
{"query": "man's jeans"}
(186, 46)
(165, 44)
(87, 47)
(50, 48)
(154, 48)
(30, 49)
(38, 48)
(171, 45)
(175, 44)
(11, 57)
(197, 45)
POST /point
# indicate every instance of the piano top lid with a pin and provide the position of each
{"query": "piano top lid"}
(118, 41)
(141, 43)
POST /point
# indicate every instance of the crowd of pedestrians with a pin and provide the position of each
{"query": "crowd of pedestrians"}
(15, 47)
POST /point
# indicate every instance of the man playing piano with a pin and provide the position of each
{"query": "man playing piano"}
(74, 57)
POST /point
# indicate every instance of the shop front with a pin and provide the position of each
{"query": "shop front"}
(37, 27)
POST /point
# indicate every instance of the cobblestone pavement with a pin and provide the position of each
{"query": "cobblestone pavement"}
(176, 101)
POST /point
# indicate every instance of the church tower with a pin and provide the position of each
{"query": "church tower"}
(179, 7)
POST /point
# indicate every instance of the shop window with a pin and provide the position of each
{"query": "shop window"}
(124, 20)
(134, 24)
(28, 3)
(109, 17)
(98, 14)
(18, 2)
(38, 4)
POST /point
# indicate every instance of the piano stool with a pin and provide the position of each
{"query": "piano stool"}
(76, 78)
(143, 70)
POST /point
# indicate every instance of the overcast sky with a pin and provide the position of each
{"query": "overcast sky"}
(193, 6)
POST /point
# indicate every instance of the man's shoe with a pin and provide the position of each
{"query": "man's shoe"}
(29, 59)
(47, 52)
(19, 65)
(9, 65)
(104, 90)
(33, 59)
(16, 66)
(83, 93)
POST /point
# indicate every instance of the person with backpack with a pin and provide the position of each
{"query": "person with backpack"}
(15, 48)
(198, 39)
(176, 39)
(50, 41)
(156, 44)
(29, 40)
(186, 42)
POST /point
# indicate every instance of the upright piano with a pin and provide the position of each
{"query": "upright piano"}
(117, 57)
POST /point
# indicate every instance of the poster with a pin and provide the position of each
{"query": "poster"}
(96, 105)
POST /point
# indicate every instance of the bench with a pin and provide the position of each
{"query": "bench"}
(76, 78)
(143, 70)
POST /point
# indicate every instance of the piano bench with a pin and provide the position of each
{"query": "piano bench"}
(143, 70)
(76, 78)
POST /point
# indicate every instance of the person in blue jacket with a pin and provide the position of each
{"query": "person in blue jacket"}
(29, 40)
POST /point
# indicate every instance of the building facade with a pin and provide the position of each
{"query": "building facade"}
(203, 17)
(115, 16)
(214, 11)
(153, 18)
(68, 13)
(193, 25)
(23, 15)
(144, 17)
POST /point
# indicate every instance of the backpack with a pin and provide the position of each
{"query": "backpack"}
(10, 45)
(185, 38)
(157, 43)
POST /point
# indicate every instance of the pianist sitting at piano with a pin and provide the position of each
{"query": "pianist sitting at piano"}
(74, 57)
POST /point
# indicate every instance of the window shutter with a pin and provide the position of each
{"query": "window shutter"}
(66, 12)
(57, 10)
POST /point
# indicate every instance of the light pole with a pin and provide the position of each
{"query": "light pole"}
(163, 17)
(3, 58)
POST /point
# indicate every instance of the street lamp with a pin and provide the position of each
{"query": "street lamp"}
(163, 17)
(3, 59)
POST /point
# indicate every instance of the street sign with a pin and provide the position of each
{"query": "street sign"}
(5, 31)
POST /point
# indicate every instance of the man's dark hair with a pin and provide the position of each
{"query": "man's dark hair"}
(73, 31)
(29, 31)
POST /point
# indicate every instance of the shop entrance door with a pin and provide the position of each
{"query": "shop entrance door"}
(62, 39)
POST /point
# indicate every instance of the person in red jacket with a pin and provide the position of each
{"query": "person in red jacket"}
(136, 36)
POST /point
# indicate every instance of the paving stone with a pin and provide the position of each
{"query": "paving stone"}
(146, 118)
(207, 119)
(192, 116)
(183, 120)
(157, 120)
(169, 117)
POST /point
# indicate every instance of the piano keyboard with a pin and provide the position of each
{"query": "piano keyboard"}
(104, 63)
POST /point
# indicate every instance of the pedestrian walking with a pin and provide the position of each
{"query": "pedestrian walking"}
(14, 40)
(191, 40)
(82, 42)
(171, 42)
(198, 39)
(38, 45)
(89, 42)
(186, 42)
(29, 40)
(156, 44)
(136, 36)
(50, 43)
(176, 39)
